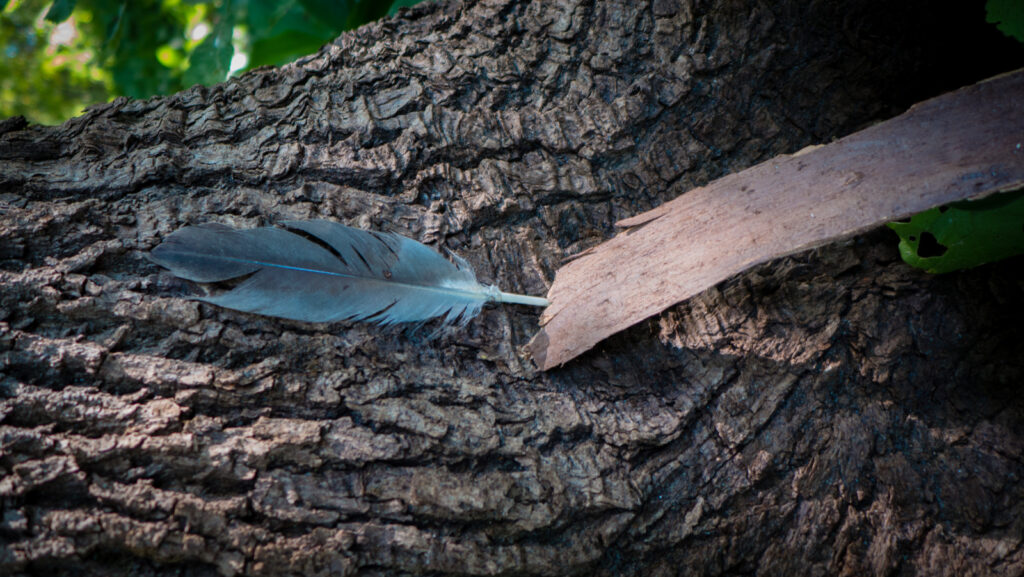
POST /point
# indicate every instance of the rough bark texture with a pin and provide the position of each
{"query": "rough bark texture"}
(831, 413)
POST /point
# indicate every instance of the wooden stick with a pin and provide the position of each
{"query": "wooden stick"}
(965, 144)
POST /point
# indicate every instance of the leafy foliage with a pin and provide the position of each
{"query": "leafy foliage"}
(131, 33)
(964, 234)
(61, 55)
(46, 74)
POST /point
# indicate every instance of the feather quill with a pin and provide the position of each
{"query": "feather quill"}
(322, 271)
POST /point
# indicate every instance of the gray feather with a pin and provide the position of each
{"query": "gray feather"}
(321, 271)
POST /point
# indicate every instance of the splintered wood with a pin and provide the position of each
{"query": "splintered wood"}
(962, 145)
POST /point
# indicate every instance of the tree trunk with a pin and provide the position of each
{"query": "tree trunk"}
(831, 413)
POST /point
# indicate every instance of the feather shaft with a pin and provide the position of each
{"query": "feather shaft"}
(512, 298)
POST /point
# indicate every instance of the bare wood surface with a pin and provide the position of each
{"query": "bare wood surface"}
(829, 413)
(962, 145)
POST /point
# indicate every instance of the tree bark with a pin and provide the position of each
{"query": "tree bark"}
(835, 412)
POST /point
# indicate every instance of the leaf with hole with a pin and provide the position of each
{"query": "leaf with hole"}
(963, 234)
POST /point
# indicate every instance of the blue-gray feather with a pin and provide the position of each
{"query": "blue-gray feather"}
(378, 277)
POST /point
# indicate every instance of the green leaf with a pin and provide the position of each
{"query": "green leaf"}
(283, 31)
(60, 11)
(211, 60)
(262, 15)
(3, 4)
(283, 48)
(333, 13)
(401, 4)
(114, 26)
(343, 15)
(366, 11)
(964, 234)
(1008, 16)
